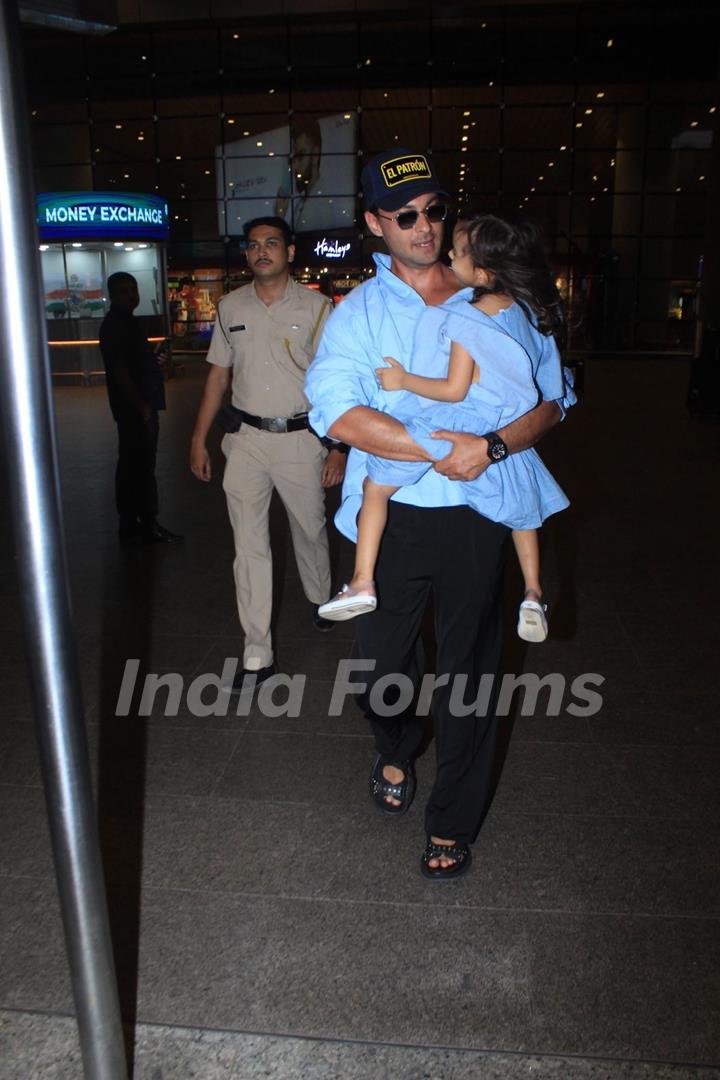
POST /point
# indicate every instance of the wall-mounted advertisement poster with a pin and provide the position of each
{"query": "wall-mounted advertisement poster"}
(310, 184)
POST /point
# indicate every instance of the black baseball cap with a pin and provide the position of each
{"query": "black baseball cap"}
(392, 179)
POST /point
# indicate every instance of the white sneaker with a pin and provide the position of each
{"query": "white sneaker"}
(347, 604)
(532, 621)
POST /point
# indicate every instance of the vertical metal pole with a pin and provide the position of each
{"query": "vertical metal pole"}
(27, 422)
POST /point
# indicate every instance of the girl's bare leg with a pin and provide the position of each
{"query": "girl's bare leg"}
(532, 616)
(527, 548)
(372, 520)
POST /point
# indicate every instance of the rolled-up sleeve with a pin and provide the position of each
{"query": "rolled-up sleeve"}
(554, 381)
(340, 377)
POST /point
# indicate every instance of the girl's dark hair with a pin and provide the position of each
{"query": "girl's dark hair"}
(511, 250)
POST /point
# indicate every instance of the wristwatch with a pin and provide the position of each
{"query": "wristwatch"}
(497, 450)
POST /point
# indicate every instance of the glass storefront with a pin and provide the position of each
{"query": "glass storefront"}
(597, 122)
(86, 237)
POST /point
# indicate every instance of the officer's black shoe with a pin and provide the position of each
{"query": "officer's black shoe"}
(158, 534)
(261, 675)
(323, 625)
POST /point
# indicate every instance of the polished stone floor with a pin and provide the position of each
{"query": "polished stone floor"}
(267, 921)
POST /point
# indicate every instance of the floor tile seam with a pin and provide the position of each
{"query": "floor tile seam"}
(624, 816)
(548, 1055)
(166, 723)
(634, 817)
(196, 670)
(230, 758)
(308, 734)
(198, 724)
(648, 746)
(431, 906)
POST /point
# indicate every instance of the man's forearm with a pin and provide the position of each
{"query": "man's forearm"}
(524, 432)
(377, 433)
(469, 457)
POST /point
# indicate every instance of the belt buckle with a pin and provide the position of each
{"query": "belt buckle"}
(277, 424)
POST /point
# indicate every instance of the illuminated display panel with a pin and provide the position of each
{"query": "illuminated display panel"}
(101, 215)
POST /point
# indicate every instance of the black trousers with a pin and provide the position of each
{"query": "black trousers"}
(460, 556)
(136, 493)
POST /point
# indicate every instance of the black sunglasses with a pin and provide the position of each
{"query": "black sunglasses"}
(407, 219)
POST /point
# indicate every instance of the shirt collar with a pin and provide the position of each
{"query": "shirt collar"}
(389, 280)
(289, 288)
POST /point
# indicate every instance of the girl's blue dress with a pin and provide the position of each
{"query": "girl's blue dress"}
(518, 492)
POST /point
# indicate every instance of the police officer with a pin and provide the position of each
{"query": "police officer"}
(264, 337)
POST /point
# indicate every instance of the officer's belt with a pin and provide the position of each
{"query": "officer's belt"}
(278, 424)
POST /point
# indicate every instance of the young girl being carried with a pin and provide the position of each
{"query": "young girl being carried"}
(496, 343)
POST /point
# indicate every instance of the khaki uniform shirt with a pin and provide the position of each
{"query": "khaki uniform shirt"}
(268, 348)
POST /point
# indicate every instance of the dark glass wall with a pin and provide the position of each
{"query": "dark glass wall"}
(595, 119)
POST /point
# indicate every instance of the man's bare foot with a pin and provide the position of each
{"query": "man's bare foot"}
(393, 776)
(442, 861)
(392, 786)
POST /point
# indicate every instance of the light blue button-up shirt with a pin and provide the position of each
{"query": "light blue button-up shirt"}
(378, 319)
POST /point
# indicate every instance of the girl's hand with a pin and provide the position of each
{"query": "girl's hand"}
(393, 377)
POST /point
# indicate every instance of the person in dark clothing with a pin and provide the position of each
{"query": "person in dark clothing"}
(137, 394)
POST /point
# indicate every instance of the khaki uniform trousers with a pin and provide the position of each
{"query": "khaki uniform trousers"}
(290, 462)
